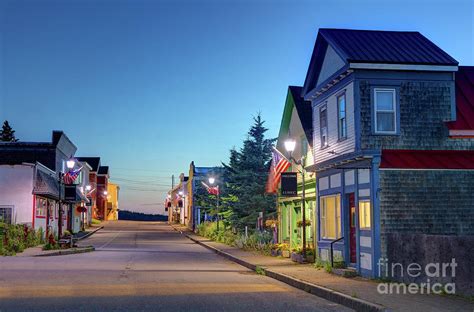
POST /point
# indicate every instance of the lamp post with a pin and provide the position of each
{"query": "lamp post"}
(69, 164)
(290, 145)
(212, 180)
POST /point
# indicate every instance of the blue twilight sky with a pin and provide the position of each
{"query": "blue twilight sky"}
(151, 85)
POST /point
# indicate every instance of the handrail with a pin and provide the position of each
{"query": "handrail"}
(332, 251)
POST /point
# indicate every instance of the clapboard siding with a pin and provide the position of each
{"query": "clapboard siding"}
(332, 63)
(339, 147)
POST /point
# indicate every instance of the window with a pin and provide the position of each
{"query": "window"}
(41, 205)
(323, 123)
(331, 217)
(364, 215)
(385, 111)
(342, 120)
(6, 214)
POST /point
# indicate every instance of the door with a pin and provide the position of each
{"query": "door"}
(352, 228)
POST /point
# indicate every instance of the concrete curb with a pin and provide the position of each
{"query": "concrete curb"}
(67, 252)
(90, 233)
(320, 291)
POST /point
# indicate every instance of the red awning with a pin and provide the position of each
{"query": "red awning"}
(464, 124)
(416, 159)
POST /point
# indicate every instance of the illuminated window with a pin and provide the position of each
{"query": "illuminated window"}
(364, 215)
(41, 205)
(331, 217)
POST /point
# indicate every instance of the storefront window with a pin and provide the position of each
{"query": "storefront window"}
(364, 214)
(41, 206)
(331, 217)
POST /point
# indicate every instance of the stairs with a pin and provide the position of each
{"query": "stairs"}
(346, 272)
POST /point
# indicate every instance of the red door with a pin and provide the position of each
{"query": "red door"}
(352, 228)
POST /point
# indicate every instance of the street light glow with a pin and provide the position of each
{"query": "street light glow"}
(70, 163)
(212, 180)
(105, 192)
(180, 193)
(88, 187)
(290, 145)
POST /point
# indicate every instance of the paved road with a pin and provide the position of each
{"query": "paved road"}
(144, 266)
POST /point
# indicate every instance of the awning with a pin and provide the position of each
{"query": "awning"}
(46, 185)
(417, 159)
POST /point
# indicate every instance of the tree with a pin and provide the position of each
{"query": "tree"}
(7, 134)
(246, 176)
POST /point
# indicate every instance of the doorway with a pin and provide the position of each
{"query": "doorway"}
(352, 228)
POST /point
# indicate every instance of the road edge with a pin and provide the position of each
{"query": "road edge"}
(320, 291)
(90, 233)
(67, 252)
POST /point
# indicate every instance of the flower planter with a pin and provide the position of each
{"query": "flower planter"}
(285, 253)
(310, 259)
(297, 257)
(274, 253)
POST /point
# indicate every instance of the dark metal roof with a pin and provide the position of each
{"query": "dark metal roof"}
(46, 184)
(94, 162)
(392, 47)
(305, 112)
(464, 81)
(103, 170)
(424, 159)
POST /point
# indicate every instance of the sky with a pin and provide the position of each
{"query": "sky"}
(150, 86)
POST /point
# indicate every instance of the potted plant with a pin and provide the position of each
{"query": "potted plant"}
(271, 223)
(275, 250)
(300, 223)
(310, 254)
(285, 250)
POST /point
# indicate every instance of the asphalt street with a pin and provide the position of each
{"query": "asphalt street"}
(144, 266)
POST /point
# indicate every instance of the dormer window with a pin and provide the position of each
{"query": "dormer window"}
(385, 111)
(323, 123)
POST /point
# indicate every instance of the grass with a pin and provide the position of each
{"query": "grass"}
(260, 271)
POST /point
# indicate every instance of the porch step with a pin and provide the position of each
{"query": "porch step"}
(347, 272)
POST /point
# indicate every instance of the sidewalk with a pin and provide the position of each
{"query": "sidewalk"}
(39, 252)
(357, 290)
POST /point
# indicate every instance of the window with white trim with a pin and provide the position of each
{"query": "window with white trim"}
(385, 111)
(330, 216)
(364, 214)
(342, 120)
(6, 214)
(323, 124)
(41, 206)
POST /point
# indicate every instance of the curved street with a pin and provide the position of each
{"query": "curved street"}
(144, 266)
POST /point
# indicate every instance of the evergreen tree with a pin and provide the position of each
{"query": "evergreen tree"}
(7, 134)
(246, 177)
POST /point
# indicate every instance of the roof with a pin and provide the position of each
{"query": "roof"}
(305, 112)
(103, 170)
(46, 183)
(416, 159)
(393, 47)
(94, 162)
(464, 81)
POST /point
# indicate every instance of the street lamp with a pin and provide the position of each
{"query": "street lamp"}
(212, 180)
(69, 164)
(290, 145)
(88, 187)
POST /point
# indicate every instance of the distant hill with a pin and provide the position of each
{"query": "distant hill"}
(139, 216)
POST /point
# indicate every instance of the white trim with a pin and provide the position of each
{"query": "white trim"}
(461, 133)
(394, 110)
(382, 66)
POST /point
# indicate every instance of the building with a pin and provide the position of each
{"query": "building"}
(392, 145)
(102, 186)
(94, 163)
(30, 183)
(112, 201)
(297, 125)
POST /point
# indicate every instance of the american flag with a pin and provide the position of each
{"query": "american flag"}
(213, 190)
(71, 176)
(279, 164)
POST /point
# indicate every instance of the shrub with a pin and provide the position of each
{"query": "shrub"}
(95, 221)
(17, 237)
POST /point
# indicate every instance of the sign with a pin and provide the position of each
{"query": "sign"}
(70, 192)
(289, 184)
(89, 204)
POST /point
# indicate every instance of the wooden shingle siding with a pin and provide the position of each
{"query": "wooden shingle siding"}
(334, 144)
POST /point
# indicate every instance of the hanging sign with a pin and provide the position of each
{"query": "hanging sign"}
(289, 184)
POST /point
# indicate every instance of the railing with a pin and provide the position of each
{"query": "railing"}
(332, 249)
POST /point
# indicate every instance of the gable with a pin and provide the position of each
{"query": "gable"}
(331, 64)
